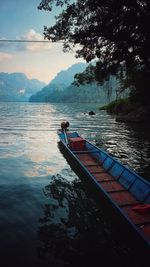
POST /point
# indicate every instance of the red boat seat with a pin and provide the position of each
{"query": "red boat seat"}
(77, 144)
(142, 208)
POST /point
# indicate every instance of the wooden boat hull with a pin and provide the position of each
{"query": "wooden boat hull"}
(115, 191)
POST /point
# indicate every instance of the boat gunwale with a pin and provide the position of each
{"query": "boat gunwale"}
(114, 159)
(118, 162)
(107, 195)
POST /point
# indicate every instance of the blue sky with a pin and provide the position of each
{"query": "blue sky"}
(20, 19)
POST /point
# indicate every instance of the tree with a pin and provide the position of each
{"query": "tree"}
(115, 33)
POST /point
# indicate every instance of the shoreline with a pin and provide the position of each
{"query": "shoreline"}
(126, 111)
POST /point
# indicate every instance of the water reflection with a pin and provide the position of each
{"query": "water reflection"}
(73, 229)
(71, 223)
(130, 143)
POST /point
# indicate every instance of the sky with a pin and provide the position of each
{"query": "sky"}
(20, 19)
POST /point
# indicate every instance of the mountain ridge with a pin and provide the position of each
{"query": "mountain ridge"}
(62, 80)
(67, 76)
(61, 89)
(17, 87)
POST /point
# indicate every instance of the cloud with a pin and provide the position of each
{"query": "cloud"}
(32, 35)
(5, 56)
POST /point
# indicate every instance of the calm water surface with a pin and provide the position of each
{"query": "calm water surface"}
(47, 218)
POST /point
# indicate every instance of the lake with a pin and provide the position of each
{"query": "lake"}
(47, 217)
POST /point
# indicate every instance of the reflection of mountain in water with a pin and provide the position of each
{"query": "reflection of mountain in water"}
(72, 229)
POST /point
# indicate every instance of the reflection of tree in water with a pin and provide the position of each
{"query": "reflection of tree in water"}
(72, 228)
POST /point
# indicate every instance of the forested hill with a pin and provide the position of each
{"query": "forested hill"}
(60, 89)
(83, 94)
(17, 87)
(61, 81)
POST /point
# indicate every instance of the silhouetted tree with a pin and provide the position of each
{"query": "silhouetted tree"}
(116, 33)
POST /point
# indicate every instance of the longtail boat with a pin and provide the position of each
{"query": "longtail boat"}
(125, 191)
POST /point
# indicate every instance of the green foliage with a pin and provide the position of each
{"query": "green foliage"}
(48, 4)
(72, 94)
(122, 105)
(86, 77)
(138, 80)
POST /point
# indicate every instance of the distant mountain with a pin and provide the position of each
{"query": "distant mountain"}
(60, 89)
(71, 94)
(44, 94)
(62, 80)
(17, 87)
(66, 77)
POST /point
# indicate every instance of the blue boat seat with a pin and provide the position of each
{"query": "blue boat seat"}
(116, 170)
(127, 178)
(108, 163)
(140, 189)
(102, 156)
(137, 186)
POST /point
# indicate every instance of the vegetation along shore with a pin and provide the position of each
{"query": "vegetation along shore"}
(127, 110)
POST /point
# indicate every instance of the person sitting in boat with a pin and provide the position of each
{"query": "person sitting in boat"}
(64, 125)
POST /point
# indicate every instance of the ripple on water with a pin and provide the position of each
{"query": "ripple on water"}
(47, 213)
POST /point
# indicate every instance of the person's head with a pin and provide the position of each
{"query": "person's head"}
(64, 125)
(67, 124)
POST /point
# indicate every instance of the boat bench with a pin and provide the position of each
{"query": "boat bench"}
(139, 187)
